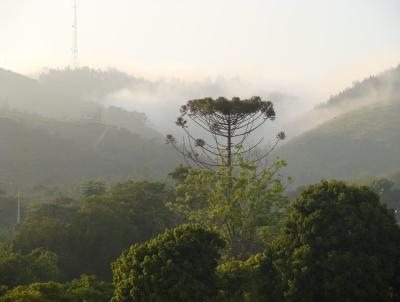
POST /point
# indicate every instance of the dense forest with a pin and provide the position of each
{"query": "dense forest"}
(96, 205)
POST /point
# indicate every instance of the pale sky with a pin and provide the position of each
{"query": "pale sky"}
(320, 45)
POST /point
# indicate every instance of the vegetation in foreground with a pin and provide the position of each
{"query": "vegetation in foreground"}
(227, 234)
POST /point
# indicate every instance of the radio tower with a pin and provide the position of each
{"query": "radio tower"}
(75, 62)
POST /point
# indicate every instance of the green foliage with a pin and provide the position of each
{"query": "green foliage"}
(180, 173)
(55, 227)
(254, 280)
(265, 282)
(242, 207)
(88, 289)
(19, 269)
(36, 292)
(235, 107)
(340, 244)
(233, 281)
(177, 266)
(366, 140)
(41, 151)
(85, 289)
(90, 234)
(143, 205)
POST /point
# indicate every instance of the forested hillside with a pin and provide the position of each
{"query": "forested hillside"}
(35, 150)
(365, 140)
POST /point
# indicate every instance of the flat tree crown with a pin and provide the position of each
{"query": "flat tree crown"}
(228, 124)
(225, 107)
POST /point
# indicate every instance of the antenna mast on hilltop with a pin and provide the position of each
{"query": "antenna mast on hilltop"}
(75, 62)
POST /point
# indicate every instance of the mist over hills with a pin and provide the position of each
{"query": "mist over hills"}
(55, 131)
(362, 137)
(73, 95)
(97, 118)
(376, 88)
(80, 93)
(68, 124)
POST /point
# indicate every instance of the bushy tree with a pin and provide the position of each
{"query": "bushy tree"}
(89, 234)
(177, 266)
(88, 289)
(36, 292)
(254, 280)
(144, 204)
(20, 269)
(242, 207)
(265, 282)
(340, 244)
(56, 230)
(84, 289)
(233, 281)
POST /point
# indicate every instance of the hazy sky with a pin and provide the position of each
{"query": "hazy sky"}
(320, 45)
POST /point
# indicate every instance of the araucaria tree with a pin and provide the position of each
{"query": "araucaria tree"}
(228, 124)
(229, 194)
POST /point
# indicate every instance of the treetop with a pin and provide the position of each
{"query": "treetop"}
(224, 106)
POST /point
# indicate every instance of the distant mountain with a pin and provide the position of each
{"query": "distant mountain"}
(382, 87)
(362, 141)
(36, 150)
(73, 95)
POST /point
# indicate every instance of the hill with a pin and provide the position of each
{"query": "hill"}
(72, 95)
(35, 150)
(362, 141)
(382, 87)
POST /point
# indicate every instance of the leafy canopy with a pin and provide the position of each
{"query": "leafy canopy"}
(177, 266)
(340, 244)
(243, 207)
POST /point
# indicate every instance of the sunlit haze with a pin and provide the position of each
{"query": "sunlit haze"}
(312, 46)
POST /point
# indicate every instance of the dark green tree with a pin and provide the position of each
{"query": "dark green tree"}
(84, 289)
(88, 235)
(254, 280)
(233, 281)
(40, 265)
(143, 203)
(177, 266)
(36, 292)
(55, 227)
(340, 244)
(265, 282)
(88, 289)
(228, 124)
